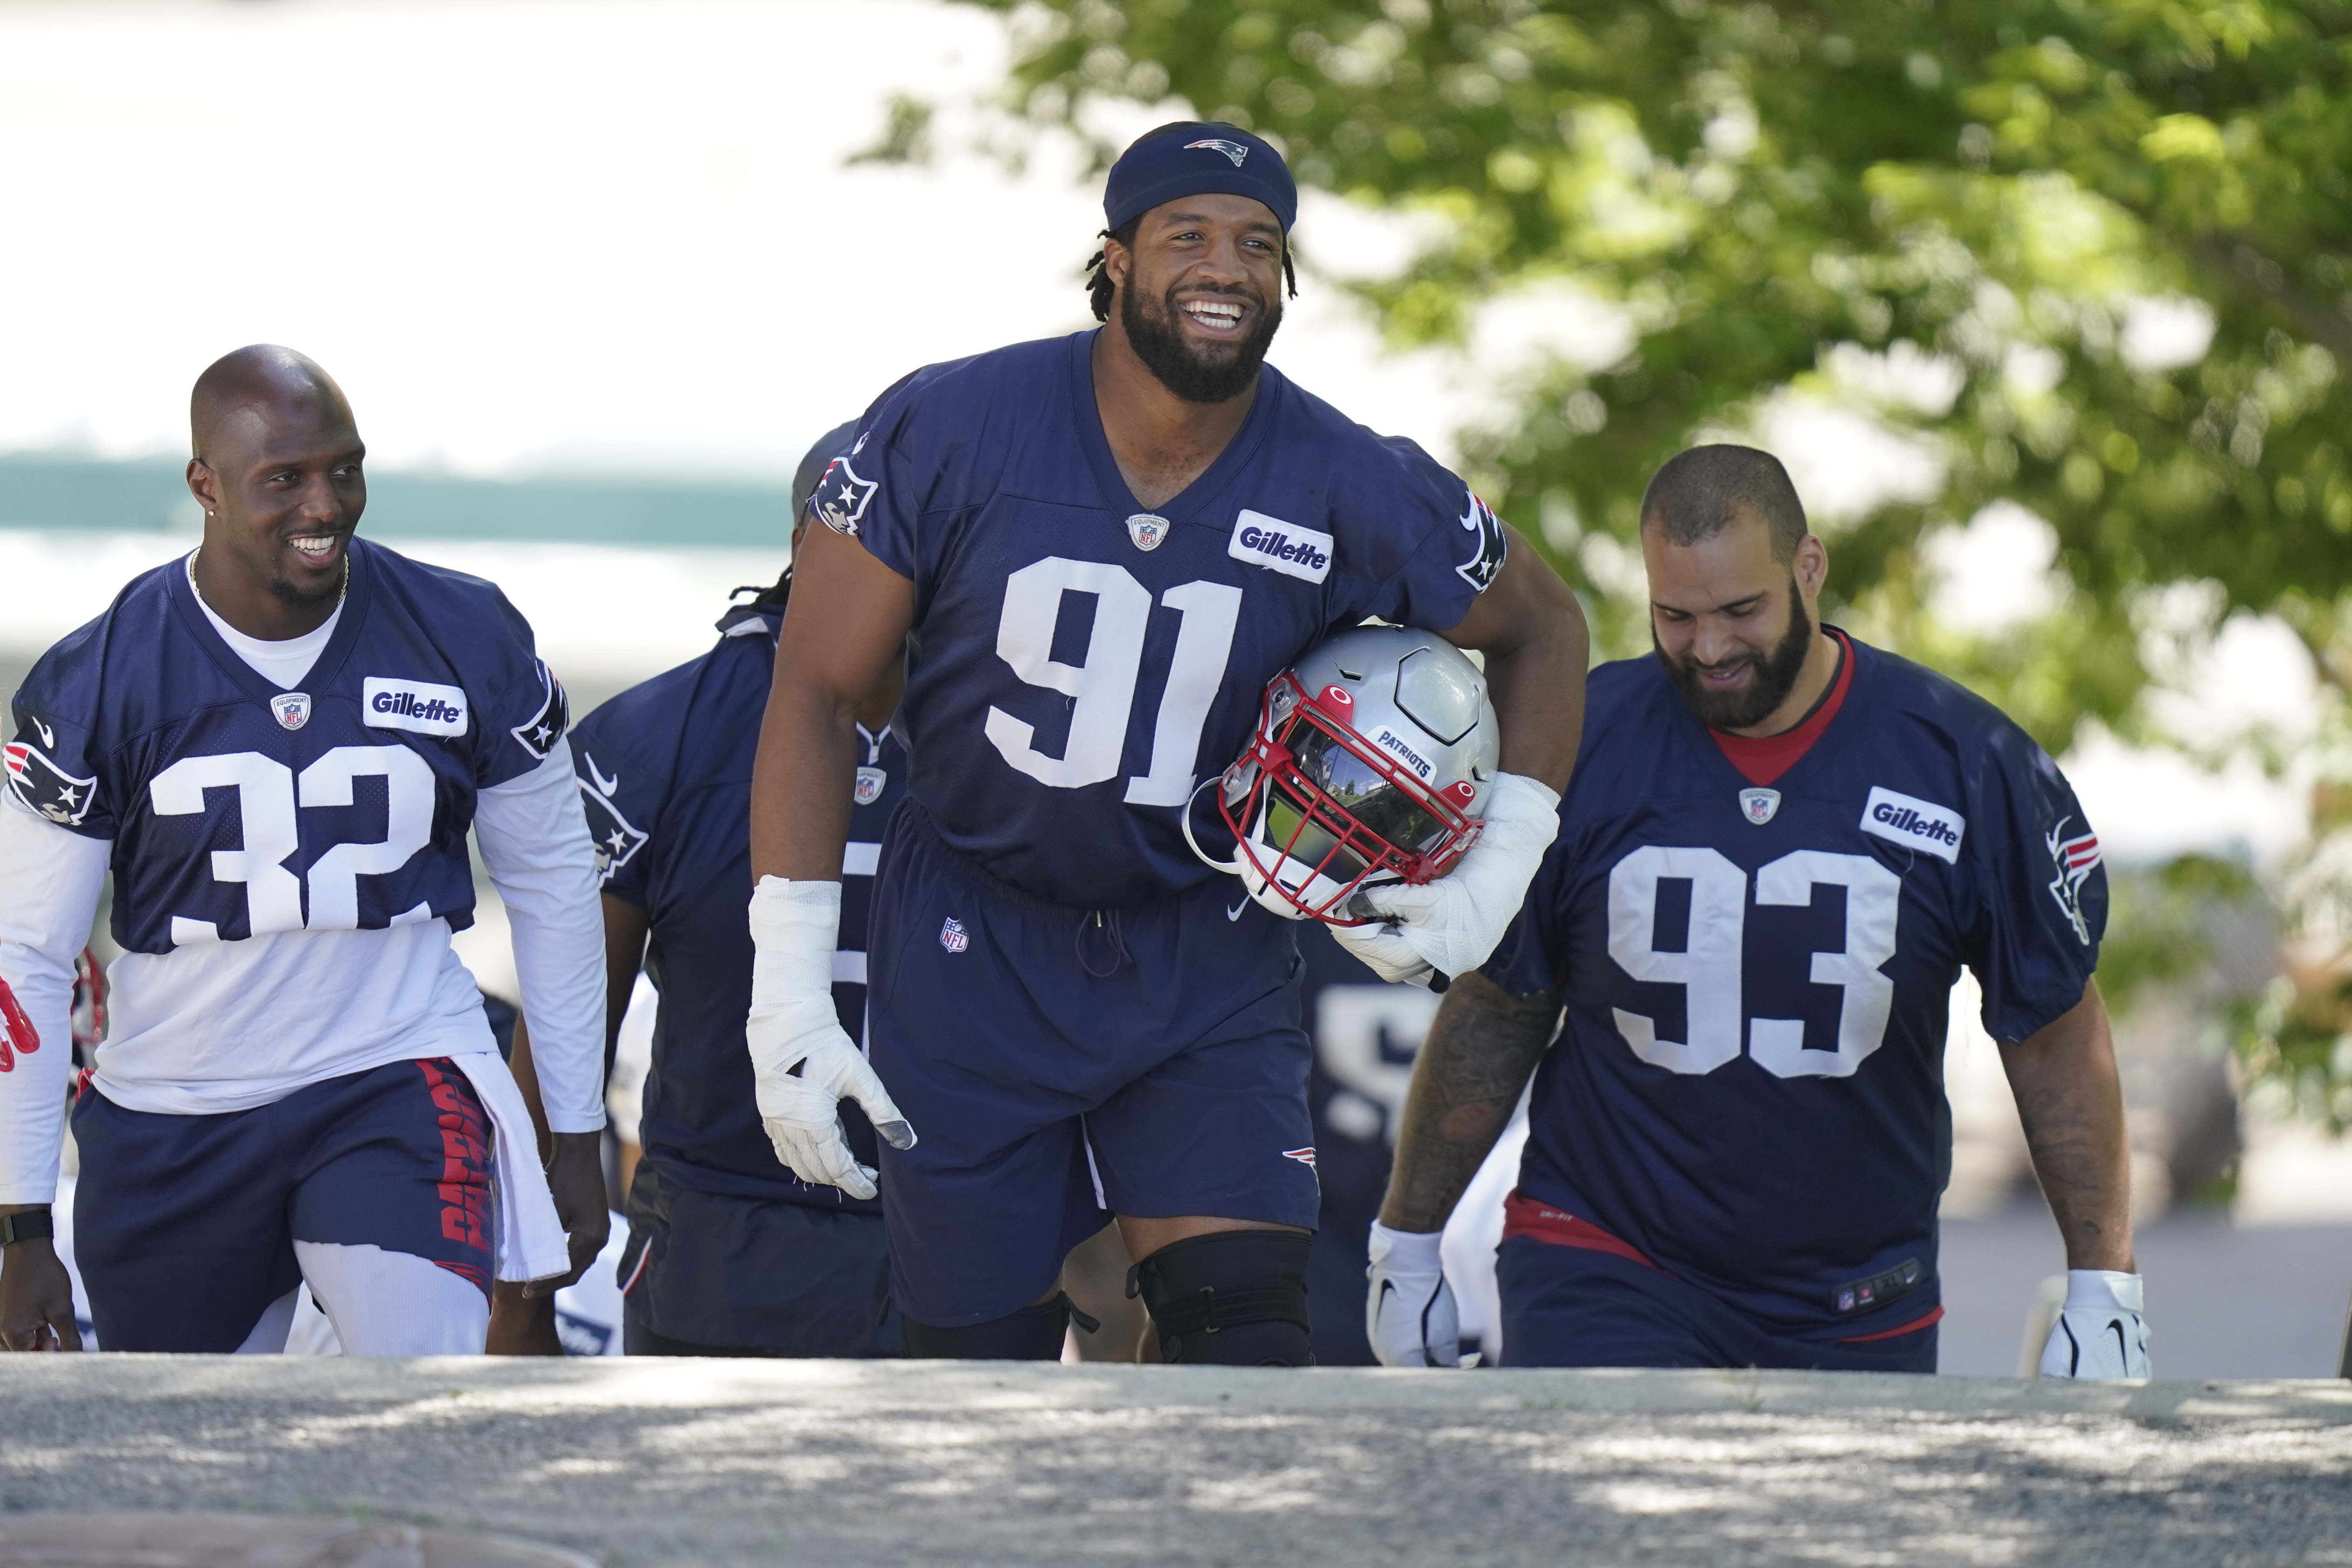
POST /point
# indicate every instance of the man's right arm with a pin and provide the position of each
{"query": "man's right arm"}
(845, 630)
(1482, 1048)
(50, 879)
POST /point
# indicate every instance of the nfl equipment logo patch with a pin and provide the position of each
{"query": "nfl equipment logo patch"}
(1147, 530)
(953, 937)
(1759, 806)
(870, 783)
(293, 709)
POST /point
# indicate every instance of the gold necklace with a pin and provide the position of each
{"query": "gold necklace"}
(344, 588)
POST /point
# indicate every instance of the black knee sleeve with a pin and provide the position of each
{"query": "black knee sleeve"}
(1033, 1333)
(1237, 1298)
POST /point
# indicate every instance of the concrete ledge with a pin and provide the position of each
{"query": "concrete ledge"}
(975, 1387)
(880, 1464)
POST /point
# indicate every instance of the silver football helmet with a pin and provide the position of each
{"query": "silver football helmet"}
(1372, 756)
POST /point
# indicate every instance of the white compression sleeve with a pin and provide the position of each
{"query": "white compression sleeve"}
(49, 882)
(534, 839)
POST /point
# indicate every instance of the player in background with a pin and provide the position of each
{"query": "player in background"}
(277, 743)
(1104, 546)
(1781, 848)
(729, 1253)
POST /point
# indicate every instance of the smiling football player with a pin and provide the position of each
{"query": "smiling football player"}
(277, 743)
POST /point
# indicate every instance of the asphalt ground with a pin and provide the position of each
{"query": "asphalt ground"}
(847, 1465)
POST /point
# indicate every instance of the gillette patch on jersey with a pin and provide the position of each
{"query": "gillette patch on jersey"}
(1281, 547)
(1917, 824)
(420, 706)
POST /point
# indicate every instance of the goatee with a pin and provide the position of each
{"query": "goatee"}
(1776, 675)
(1216, 373)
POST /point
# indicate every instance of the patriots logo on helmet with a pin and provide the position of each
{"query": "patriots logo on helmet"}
(540, 732)
(1486, 560)
(616, 837)
(1232, 149)
(842, 498)
(46, 788)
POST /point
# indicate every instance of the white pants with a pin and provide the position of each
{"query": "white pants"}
(379, 1303)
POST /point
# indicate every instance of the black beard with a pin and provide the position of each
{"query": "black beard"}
(1217, 374)
(1775, 677)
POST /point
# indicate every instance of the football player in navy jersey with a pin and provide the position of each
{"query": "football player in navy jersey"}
(276, 744)
(1095, 552)
(1780, 849)
(729, 1253)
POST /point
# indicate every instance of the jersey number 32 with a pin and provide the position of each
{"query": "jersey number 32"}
(268, 794)
(1709, 967)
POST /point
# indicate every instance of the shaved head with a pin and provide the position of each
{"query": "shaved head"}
(278, 472)
(261, 380)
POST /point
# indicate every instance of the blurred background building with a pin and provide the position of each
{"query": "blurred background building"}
(595, 275)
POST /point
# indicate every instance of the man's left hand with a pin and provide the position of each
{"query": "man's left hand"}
(576, 1177)
(2100, 1333)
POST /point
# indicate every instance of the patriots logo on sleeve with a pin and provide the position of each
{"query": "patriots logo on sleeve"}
(46, 789)
(1486, 558)
(842, 496)
(2076, 857)
(540, 732)
(616, 837)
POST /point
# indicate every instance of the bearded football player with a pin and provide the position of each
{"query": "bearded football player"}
(276, 744)
(1096, 552)
(1782, 849)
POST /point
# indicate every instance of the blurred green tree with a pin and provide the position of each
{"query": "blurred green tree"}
(1972, 221)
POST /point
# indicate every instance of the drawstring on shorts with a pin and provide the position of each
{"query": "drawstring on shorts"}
(1120, 956)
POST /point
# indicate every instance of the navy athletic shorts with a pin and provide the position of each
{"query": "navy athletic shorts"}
(185, 1225)
(1059, 1065)
(720, 1274)
(1574, 1295)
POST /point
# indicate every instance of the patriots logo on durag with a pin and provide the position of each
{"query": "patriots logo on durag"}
(1232, 149)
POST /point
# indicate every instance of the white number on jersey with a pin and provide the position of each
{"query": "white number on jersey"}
(1102, 689)
(266, 814)
(1709, 967)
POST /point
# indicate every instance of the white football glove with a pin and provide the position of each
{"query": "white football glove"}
(2100, 1333)
(802, 1064)
(1408, 1311)
(1451, 925)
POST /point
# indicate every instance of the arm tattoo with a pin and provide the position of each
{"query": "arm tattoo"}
(1481, 1048)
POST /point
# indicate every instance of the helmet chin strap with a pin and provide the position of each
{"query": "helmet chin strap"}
(1184, 822)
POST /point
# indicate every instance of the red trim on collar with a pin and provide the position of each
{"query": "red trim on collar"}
(1762, 759)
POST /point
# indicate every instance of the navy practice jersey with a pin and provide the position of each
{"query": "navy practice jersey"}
(1078, 662)
(239, 808)
(1747, 1086)
(666, 773)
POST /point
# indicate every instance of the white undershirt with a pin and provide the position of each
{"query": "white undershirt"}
(284, 664)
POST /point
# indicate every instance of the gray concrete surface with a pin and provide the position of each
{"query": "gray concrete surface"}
(859, 1465)
(2223, 1300)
